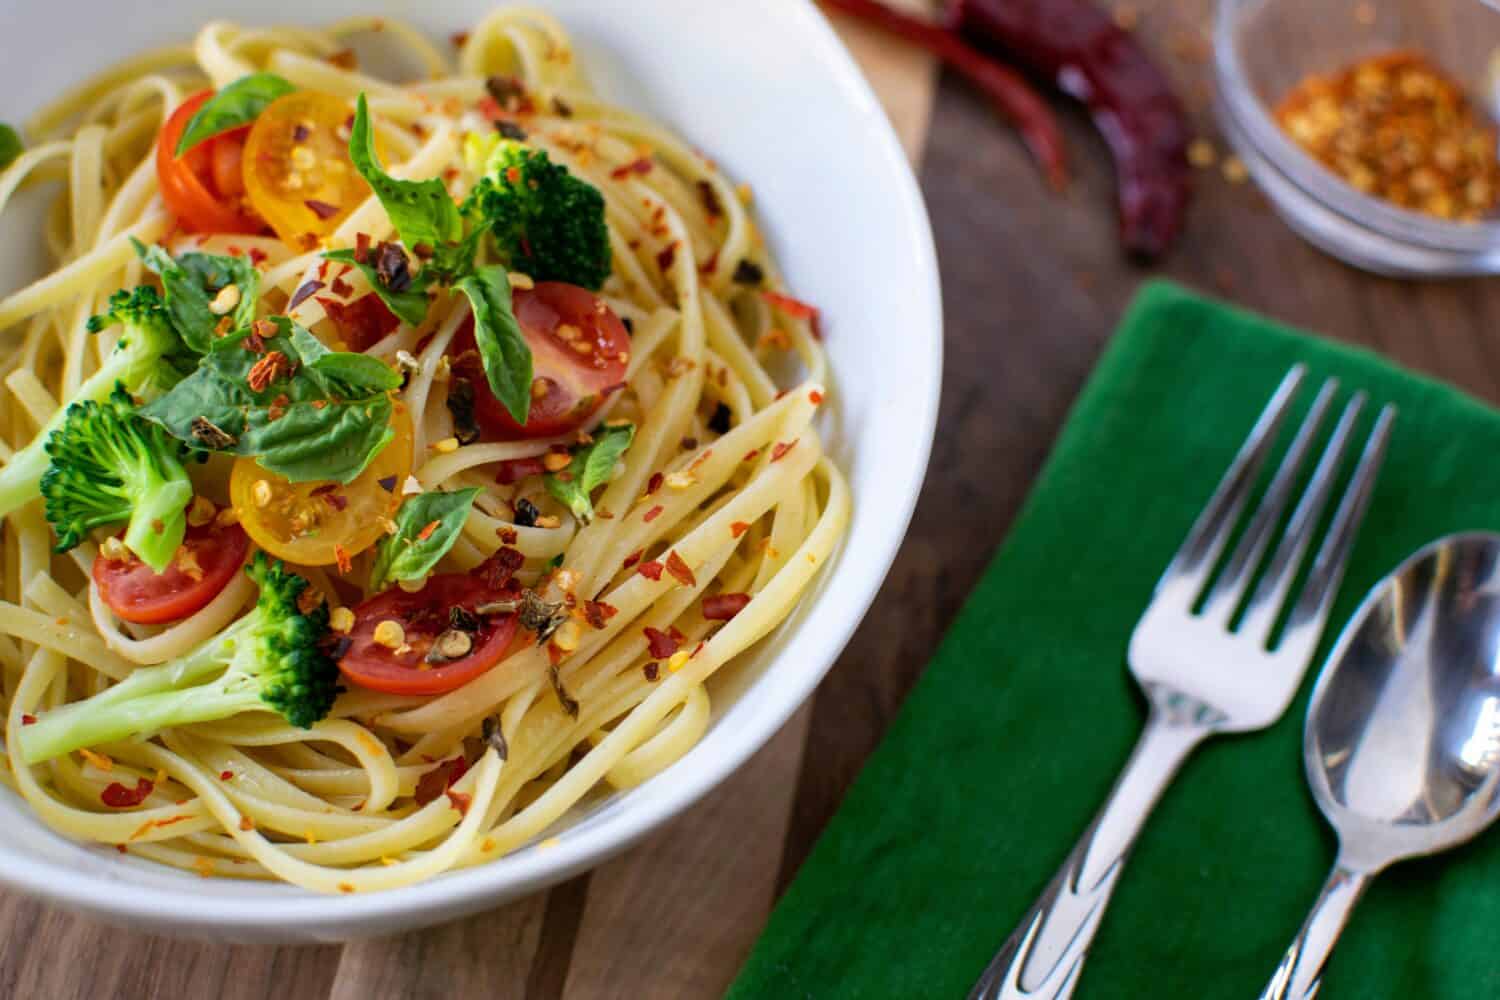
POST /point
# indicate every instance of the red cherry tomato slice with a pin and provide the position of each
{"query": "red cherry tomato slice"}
(138, 594)
(579, 350)
(203, 187)
(423, 616)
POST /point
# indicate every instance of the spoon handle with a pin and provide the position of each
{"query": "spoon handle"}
(1301, 970)
(1043, 958)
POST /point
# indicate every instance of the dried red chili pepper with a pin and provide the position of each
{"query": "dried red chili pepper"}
(1011, 95)
(1078, 46)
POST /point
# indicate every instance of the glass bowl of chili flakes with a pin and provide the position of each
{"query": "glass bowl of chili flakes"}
(1372, 125)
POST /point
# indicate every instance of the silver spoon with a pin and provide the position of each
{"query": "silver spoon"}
(1403, 735)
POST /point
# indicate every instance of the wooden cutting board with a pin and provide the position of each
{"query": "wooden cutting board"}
(1033, 285)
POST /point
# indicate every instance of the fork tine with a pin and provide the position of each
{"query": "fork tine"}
(1210, 532)
(1270, 593)
(1234, 580)
(1313, 604)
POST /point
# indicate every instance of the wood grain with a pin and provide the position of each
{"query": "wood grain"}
(1033, 285)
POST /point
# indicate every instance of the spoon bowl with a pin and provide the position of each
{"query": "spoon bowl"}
(1402, 744)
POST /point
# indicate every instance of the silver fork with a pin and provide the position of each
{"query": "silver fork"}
(1205, 671)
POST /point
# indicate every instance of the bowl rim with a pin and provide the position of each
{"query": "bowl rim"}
(304, 915)
(1240, 100)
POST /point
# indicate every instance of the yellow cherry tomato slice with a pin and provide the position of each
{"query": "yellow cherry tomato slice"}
(315, 524)
(296, 166)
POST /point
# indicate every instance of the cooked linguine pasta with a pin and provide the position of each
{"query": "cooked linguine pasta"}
(523, 612)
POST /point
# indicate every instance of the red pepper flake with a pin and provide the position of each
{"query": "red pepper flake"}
(815, 397)
(680, 570)
(782, 447)
(336, 500)
(722, 607)
(796, 309)
(712, 207)
(652, 670)
(596, 613)
(361, 323)
(513, 470)
(651, 570)
(440, 779)
(460, 801)
(225, 775)
(640, 165)
(655, 483)
(507, 534)
(667, 257)
(633, 558)
(344, 59)
(497, 570)
(751, 455)
(458, 39)
(659, 643)
(340, 287)
(28, 719)
(341, 557)
(278, 406)
(652, 514)
(257, 256)
(361, 248)
(272, 366)
(321, 209)
(712, 264)
(303, 293)
(738, 528)
(246, 823)
(427, 530)
(117, 796)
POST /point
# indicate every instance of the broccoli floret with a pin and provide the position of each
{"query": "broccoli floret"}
(270, 660)
(546, 222)
(110, 466)
(146, 361)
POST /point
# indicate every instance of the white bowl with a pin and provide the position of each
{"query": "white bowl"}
(767, 89)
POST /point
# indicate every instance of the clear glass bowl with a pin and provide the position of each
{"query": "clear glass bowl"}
(1262, 48)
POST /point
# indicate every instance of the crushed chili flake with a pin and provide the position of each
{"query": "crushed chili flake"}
(272, 366)
(654, 483)
(497, 570)
(680, 570)
(652, 514)
(344, 59)
(660, 644)
(336, 500)
(596, 613)
(460, 801)
(513, 470)
(340, 287)
(458, 39)
(781, 448)
(640, 165)
(302, 294)
(738, 528)
(815, 397)
(633, 558)
(225, 775)
(321, 209)
(117, 796)
(652, 670)
(427, 530)
(651, 570)
(438, 780)
(341, 557)
(28, 719)
(246, 823)
(361, 248)
(667, 257)
(722, 607)
(257, 257)
(1399, 128)
(712, 207)
(507, 535)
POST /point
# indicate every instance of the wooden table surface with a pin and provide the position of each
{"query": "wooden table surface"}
(1033, 285)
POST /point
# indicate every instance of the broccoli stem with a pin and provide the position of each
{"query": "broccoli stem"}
(150, 699)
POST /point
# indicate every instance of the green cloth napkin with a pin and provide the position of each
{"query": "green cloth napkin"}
(1012, 738)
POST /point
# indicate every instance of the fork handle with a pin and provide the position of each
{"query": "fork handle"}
(1300, 974)
(1044, 956)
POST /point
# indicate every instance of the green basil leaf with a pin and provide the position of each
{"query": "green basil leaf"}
(407, 555)
(421, 211)
(502, 347)
(239, 103)
(409, 304)
(10, 145)
(191, 283)
(324, 420)
(591, 468)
